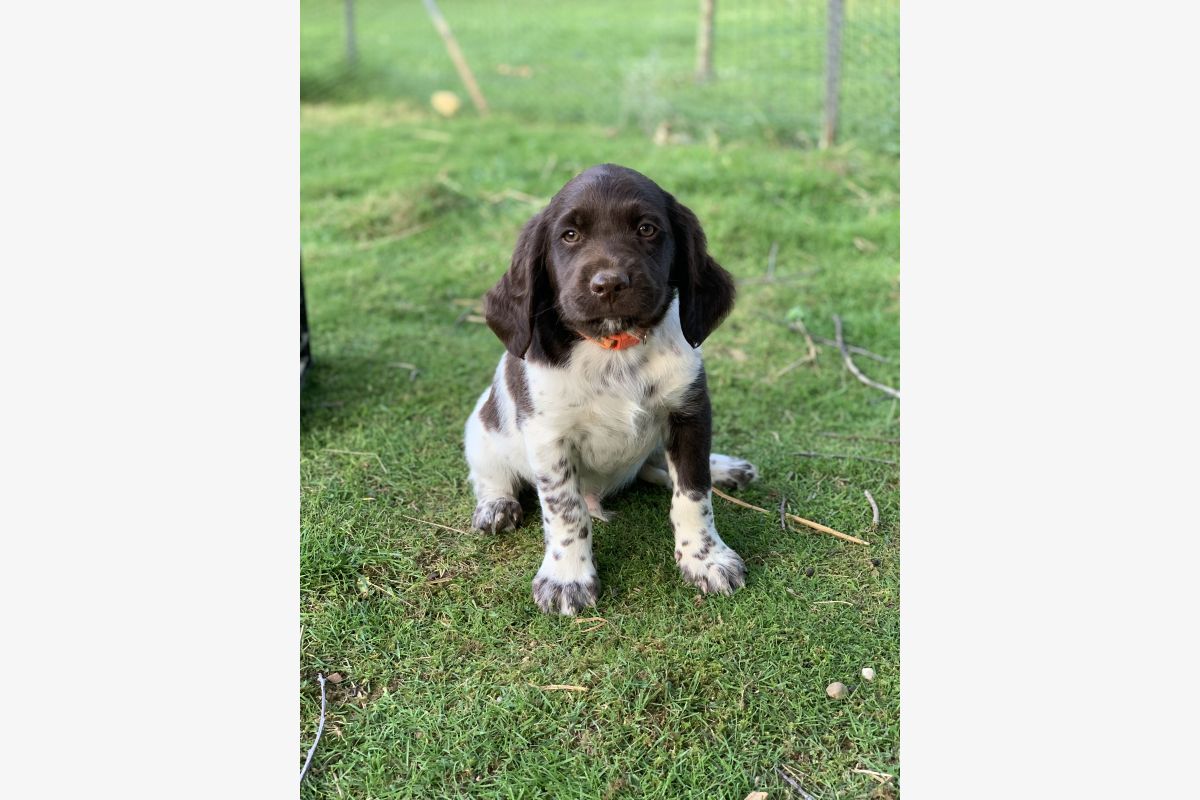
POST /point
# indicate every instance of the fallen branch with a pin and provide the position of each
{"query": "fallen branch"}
(436, 525)
(874, 510)
(858, 351)
(806, 522)
(850, 456)
(854, 370)
(320, 728)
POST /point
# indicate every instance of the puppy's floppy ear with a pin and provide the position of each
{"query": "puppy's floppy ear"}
(511, 304)
(706, 290)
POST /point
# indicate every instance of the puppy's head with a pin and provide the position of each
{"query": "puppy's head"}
(607, 255)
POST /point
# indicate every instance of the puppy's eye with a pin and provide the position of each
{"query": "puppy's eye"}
(570, 235)
(646, 230)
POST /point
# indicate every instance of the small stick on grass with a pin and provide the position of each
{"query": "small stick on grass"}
(806, 522)
(811, 356)
(796, 787)
(436, 525)
(320, 728)
(854, 370)
(783, 512)
(600, 623)
(860, 438)
(874, 510)
(564, 687)
(810, 454)
(882, 777)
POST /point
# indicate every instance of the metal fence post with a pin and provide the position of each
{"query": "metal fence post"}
(351, 39)
(833, 70)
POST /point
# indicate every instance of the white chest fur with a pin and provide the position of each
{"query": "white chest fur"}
(611, 406)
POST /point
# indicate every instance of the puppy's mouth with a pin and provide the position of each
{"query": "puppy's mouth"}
(606, 326)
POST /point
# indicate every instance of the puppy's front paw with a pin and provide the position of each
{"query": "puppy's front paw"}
(719, 571)
(731, 473)
(555, 596)
(499, 514)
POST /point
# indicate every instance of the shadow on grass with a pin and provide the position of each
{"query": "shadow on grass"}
(332, 395)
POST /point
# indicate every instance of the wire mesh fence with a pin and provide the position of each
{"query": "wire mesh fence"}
(778, 68)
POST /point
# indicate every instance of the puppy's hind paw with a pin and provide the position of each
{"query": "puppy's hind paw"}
(731, 473)
(498, 514)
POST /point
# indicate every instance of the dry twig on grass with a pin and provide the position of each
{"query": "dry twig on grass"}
(850, 456)
(600, 623)
(882, 777)
(320, 728)
(860, 438)
(795, 786)
(874, 510)
(806, 522)
(436, 525)
(850, 365)
(783, 512)
(564, 687)
(811, 356)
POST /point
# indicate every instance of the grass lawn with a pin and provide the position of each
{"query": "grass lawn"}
(406, 220)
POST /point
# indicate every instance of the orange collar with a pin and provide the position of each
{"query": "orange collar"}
(619, 341)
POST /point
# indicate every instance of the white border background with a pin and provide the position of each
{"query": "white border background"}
(149, 402)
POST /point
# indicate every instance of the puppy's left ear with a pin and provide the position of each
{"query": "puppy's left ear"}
(706, 290)
(510, 305)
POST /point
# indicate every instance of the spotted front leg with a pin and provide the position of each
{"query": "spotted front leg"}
(703, 558)
(566, 583)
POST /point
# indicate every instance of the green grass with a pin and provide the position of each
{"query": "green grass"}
(406, 220)
(435, 632)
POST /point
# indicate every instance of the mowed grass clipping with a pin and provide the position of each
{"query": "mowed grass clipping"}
(407, 219)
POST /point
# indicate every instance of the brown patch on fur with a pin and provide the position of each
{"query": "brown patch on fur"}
(489, 415)
(518, 389)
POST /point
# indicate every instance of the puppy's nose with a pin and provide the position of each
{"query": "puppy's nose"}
(608, 282)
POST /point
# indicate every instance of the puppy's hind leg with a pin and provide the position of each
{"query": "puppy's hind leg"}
(493, 479)
(654, 470)
(731, 473)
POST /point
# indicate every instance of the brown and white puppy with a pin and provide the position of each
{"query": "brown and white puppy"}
(610, 293)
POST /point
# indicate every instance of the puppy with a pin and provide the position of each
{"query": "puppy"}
(610, 293)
